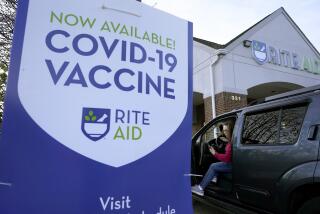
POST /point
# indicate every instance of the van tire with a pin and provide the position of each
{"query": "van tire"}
(311, 206)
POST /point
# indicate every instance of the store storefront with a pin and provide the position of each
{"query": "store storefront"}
(271, 57)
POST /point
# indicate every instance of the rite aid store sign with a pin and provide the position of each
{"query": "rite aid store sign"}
(262, 53)
(98, 110)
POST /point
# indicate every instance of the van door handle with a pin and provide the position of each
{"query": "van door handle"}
(313, 131)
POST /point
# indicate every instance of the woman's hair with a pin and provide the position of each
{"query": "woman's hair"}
(229, 125)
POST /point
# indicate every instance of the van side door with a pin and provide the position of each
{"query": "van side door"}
(272, 139)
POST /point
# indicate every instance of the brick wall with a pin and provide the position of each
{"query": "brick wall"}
(207, 109)
(227, 101)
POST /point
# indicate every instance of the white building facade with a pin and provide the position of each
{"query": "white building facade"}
(271, 57)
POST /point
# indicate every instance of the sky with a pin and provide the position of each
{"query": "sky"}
(221, 20)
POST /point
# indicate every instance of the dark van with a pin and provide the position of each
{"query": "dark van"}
(275, 156)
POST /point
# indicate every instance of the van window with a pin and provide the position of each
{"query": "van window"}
(261, 128)
(291, 121)
(210, 134)
(215, 130)
(279, 126)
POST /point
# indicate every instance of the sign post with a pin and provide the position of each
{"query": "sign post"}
(98, 110)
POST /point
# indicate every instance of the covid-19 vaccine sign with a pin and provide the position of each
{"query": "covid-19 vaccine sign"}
(98, 110)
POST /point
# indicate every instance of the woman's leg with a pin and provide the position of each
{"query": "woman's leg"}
(213, 170)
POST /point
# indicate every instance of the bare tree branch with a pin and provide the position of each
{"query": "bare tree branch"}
(7, 19)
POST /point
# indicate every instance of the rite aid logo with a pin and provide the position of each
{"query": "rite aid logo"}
(262, 53)
(259, 52)
(95, 123)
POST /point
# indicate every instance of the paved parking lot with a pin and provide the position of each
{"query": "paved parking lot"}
(200, 208)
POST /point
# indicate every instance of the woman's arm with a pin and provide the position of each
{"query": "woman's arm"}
(226, 157)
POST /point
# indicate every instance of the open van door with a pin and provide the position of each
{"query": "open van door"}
(201, 156)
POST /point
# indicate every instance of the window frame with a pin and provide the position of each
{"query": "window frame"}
(206, 127)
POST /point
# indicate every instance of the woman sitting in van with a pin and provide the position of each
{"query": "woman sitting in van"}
(215, 168)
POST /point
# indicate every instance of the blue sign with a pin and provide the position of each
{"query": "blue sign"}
(98, 110)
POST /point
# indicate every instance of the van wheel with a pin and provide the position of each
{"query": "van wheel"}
(310, 207)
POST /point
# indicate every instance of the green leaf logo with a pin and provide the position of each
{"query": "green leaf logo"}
(91, 117)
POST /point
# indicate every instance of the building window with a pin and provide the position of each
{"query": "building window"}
(279, 126)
